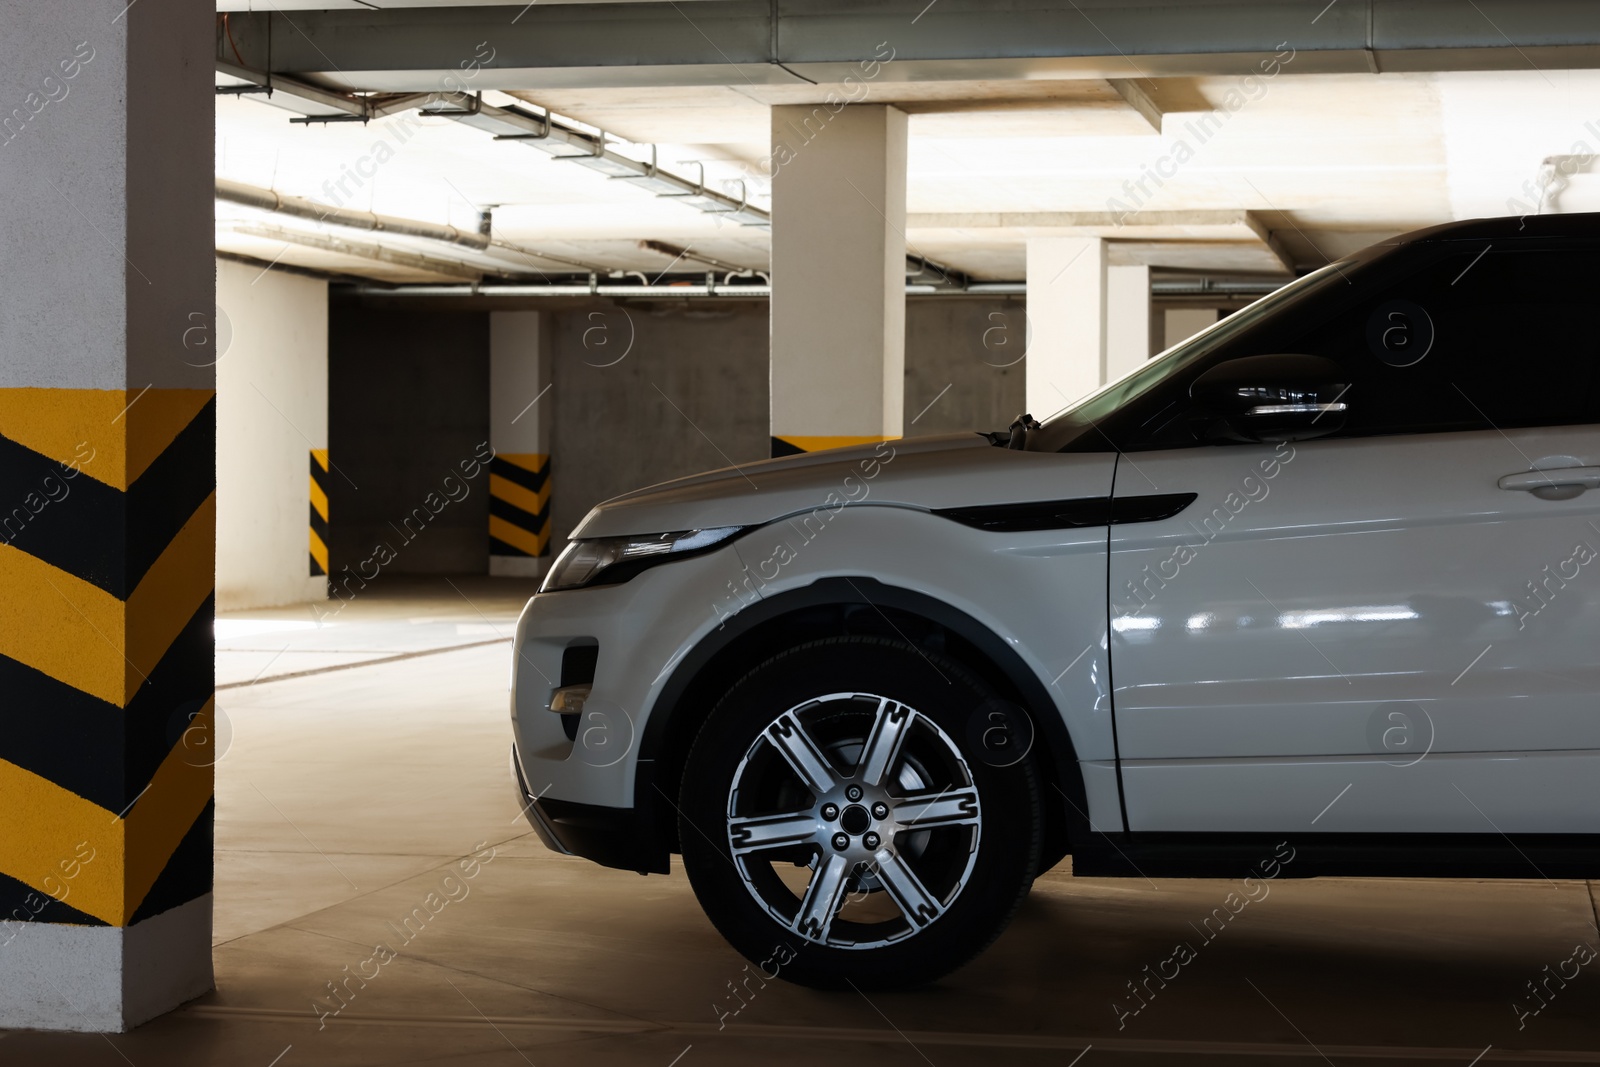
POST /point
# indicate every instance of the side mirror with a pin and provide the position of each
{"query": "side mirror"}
(1286, 397)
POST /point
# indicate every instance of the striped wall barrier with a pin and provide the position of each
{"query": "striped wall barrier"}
(519, 504)
(792, 445)
(107, 562)
(318, 518)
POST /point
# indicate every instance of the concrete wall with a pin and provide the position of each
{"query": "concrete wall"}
(973, 346)
(272, 408)
(641, 395)
(409, 397)
(691, 392)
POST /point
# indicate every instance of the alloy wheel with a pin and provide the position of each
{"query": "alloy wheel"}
(854, 820)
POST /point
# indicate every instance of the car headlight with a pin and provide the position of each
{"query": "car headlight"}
(608, 560)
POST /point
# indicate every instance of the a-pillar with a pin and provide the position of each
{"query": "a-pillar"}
(519, 431)
(838, 275)
(107, 510)
(1067, 288)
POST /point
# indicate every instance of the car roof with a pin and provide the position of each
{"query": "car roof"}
(1510, 227)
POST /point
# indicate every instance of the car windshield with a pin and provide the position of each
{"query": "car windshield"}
(1082, 416)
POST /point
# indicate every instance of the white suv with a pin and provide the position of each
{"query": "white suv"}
(1318, 584)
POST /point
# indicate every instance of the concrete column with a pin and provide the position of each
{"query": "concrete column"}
(519, 432)
(1184, 323)
(107, 510)
(1067, 284)
(272, 424)
(838, 275)
(1127, 319)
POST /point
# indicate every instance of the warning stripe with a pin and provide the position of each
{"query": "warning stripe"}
(519, 504)
(512, 493)
(792, 445)
(318, 533)
(106, 602)
(46, 827)
(188, 870)
(158, 820)
(178, 583)
(57, 511)
(58, 623)
(79, 634)
(114, 751)
(122, 432)
(102, 863)
(529, 470)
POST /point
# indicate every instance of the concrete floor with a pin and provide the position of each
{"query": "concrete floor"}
(347, 795)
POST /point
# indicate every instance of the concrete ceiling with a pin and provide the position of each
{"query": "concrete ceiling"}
(753, 42)
(394, 5)
(1291, 170)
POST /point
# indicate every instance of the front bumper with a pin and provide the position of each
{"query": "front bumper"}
(593, 778)
(611, 837)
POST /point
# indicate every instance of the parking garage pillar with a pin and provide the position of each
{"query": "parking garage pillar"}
(1180, 324)
(838, 275)
(107, 510)
(1127, 319)
(519, 431)
(1067, 283)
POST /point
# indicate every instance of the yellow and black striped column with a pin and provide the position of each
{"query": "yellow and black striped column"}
(837, 342)
(519, 505)
(107, 529)
(108, 508)
(318, 518)
(520, 404)
(795, 444)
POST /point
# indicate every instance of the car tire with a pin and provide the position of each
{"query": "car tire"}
(841, 825)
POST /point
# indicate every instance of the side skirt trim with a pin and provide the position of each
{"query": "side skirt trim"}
(1205, 855)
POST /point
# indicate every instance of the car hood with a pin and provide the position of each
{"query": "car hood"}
(950, 470)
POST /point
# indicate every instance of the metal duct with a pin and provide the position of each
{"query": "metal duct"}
(561, 141)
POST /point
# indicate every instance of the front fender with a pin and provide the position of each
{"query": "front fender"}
(1032, 604)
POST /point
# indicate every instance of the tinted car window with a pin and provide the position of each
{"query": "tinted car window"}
(1434, 337)
(1157, 386)
(1474, 337)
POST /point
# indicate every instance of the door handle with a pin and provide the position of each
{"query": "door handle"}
(1558, 478)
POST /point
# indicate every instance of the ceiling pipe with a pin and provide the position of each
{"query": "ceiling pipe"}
(527, 253)
(549, 133)
(677, 252)
(947, 277)
(656, 291)
(699, 290)
(362, 250)
(497, 243)
(1216, 287)
(1222, 289)
(302, 208)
